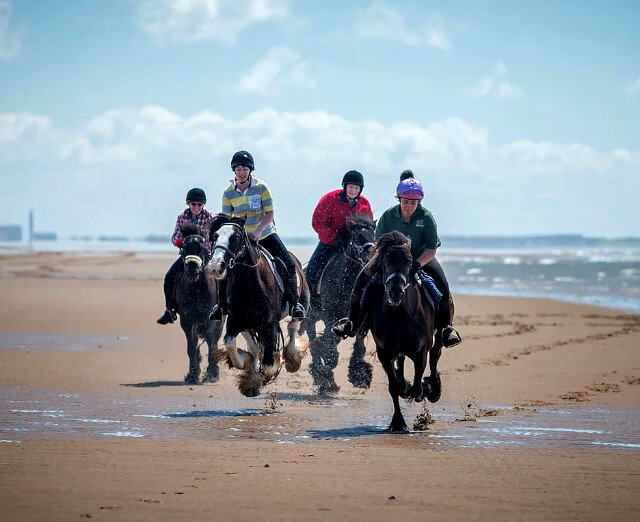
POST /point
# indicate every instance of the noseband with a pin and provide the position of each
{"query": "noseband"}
(192, 258)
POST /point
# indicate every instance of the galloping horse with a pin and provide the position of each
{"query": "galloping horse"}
(196, 293)
(402, 324)
(354, 242)
(255, 301)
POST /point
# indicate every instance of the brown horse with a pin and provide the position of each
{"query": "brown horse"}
(402, 324)
(255, 302)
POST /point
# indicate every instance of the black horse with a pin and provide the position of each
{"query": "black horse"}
(196, 293)
(353, 244)
(402, 324)
(255, 301)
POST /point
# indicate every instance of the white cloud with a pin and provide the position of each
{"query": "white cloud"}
(495, 85)
(280, 68)
(10, 44)
(634, 87)
(382, 22)
(153, 154)
(219, 20)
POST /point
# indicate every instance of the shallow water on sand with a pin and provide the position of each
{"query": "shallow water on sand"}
(48, 341)
(291, 418)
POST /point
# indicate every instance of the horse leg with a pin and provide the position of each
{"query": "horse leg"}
(398, 425)
(212, 334)
(360, 371)
(270, 359)
(292, 351)
(405, 386)
(432, 385)
(191, 333)
(419, 364)
(236, 357)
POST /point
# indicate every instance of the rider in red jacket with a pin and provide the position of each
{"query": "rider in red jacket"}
(329, 216)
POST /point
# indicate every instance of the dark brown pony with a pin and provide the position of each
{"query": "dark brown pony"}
(255, 302)
(402, 325)
(353, 244)
(196, 293)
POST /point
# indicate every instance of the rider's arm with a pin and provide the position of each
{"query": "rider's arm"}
(426, 256)
(176, 238)
(321, 220)
(266, 221)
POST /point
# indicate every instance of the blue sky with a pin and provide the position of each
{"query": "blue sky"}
(519, 117)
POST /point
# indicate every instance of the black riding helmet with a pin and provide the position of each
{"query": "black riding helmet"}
(196, 194)
(353, 177)
(244, 158)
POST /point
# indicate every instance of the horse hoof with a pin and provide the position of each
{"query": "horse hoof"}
(328, 388)
(360, 374)
(398, 429)
(292, 366)
(191, 379)
(211, 378)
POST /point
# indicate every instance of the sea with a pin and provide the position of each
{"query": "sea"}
(573, 268)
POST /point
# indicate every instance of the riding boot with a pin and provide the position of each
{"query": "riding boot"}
(349, 326)
(170, 315)
(296, 308)
(220, 308)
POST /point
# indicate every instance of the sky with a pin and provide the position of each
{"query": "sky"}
(519, 118)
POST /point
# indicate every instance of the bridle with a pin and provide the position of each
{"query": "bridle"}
(357, 250)
(199, 261)
(244, 248)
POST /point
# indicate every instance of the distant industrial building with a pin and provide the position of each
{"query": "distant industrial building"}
(10, 233)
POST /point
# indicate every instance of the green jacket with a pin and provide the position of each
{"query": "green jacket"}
(422, 228)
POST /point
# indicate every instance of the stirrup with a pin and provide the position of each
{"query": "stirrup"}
(168, 317)
(344, 328)
(216, 313)
(450, 337)
(298, 312)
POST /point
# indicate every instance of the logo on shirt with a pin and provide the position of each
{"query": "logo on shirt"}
(420, 223)
(255, 202)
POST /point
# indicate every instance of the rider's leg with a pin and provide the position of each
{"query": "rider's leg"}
(220, 307)
(348, 326)
(170, 279)
(316, 265)
(444, 317)
(276, 248)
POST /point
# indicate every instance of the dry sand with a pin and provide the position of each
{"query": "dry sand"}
(521, 359)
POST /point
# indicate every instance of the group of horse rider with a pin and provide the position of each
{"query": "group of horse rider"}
(248, 196)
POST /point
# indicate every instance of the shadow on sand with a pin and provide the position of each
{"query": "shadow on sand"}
(349, 432)
(154, 384)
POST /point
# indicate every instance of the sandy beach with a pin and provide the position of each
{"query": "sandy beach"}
(539, 416)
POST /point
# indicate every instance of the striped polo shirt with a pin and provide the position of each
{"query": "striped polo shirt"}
(254, 202)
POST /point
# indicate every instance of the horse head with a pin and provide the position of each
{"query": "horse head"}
(229, 242)
(394, 260)
(356, 238)
(194, 251)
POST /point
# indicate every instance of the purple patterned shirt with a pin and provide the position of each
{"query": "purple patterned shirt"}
(187, 217)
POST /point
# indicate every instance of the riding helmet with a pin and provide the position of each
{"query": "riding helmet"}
(244, 158)
(196, 194)
(410, 189)
(353, 177)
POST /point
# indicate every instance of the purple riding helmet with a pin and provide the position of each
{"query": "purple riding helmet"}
(410, 189)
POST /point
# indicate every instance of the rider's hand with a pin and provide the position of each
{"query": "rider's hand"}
(255, 236)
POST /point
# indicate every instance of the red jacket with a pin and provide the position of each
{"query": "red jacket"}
(331, 213)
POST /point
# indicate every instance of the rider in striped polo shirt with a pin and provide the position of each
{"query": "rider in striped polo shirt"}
(249, 196)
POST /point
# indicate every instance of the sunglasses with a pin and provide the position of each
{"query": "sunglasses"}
(196, 204)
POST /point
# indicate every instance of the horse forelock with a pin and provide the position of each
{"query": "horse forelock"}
(390, 241)
(190, 229)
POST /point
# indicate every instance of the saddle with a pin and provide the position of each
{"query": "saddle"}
(277, 266)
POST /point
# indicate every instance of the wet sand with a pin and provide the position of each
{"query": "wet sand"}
(539, 416)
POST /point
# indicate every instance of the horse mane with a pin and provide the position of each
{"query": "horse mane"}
(190, 229)
(354, 220)
(393, 239)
